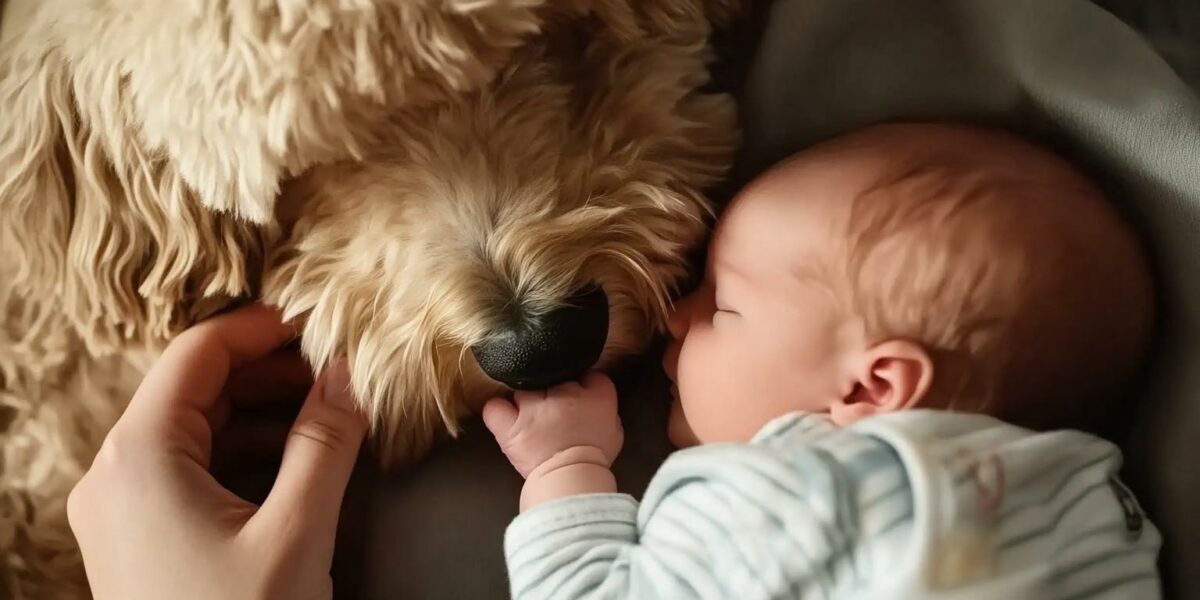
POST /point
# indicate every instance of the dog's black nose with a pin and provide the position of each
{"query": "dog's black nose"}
(539, 351)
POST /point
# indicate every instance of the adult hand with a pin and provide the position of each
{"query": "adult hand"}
(150, 519)
(536, 426)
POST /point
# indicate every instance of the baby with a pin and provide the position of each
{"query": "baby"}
(894, 329)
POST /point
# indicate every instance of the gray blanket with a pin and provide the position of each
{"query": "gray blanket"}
(1064, 71)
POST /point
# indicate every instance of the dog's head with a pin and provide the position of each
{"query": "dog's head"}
(142, 144)
(513, 239)
(517, 201)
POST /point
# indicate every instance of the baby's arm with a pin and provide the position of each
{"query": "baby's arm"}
(729, 521)
(717, 522)
(573, 472)
(562, 440)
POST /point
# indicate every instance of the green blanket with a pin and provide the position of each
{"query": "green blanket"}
(1065, 72)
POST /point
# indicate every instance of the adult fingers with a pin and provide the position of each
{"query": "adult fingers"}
(318, 458)
(193, 369)
(271, 387)
(249, 442)
(271, 384)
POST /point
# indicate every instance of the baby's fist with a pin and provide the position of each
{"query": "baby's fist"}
(536, 426)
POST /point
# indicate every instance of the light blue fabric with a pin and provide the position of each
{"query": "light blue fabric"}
(920, 504)
(1062, 71)
(776, 519)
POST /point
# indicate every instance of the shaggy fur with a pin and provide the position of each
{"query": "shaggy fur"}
(391, 172)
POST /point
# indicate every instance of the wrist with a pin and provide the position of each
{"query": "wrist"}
(575, 471)
(575, 455)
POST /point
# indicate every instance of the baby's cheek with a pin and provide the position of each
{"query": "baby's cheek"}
(678, 430)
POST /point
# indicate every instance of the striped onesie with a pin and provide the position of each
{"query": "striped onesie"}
(914, 504)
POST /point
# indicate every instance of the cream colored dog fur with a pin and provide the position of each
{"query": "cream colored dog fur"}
(390, 172)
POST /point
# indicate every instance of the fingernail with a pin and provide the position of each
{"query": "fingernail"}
(337, 385)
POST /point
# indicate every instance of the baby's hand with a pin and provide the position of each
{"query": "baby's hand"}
(576, 417)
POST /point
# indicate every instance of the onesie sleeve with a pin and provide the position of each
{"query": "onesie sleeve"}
(720, 521)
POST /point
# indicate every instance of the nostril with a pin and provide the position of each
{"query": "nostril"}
(537, 351)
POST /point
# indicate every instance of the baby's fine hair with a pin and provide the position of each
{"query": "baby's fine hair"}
(1013, 270)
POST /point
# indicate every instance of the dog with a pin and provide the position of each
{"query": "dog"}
(458, 198)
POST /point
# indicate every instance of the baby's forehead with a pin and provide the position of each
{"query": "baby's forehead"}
(769, 237)
(804, 198)
(802, 211)
(900, 160)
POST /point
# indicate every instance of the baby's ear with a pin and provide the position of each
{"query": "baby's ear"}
(890, 376)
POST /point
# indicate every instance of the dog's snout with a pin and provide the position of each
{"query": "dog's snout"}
(534, 352)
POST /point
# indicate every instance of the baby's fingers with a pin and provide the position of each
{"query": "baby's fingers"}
(595, 381)
(499, 415)
(523, 398)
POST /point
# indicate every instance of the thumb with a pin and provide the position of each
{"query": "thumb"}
(500, 416)
(318, 458)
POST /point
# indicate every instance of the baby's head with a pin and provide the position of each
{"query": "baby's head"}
(911, 265)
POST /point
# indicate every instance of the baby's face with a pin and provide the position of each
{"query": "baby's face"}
(763, 335)
(804, 308)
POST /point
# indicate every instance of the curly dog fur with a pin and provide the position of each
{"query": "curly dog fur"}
(392, 173)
